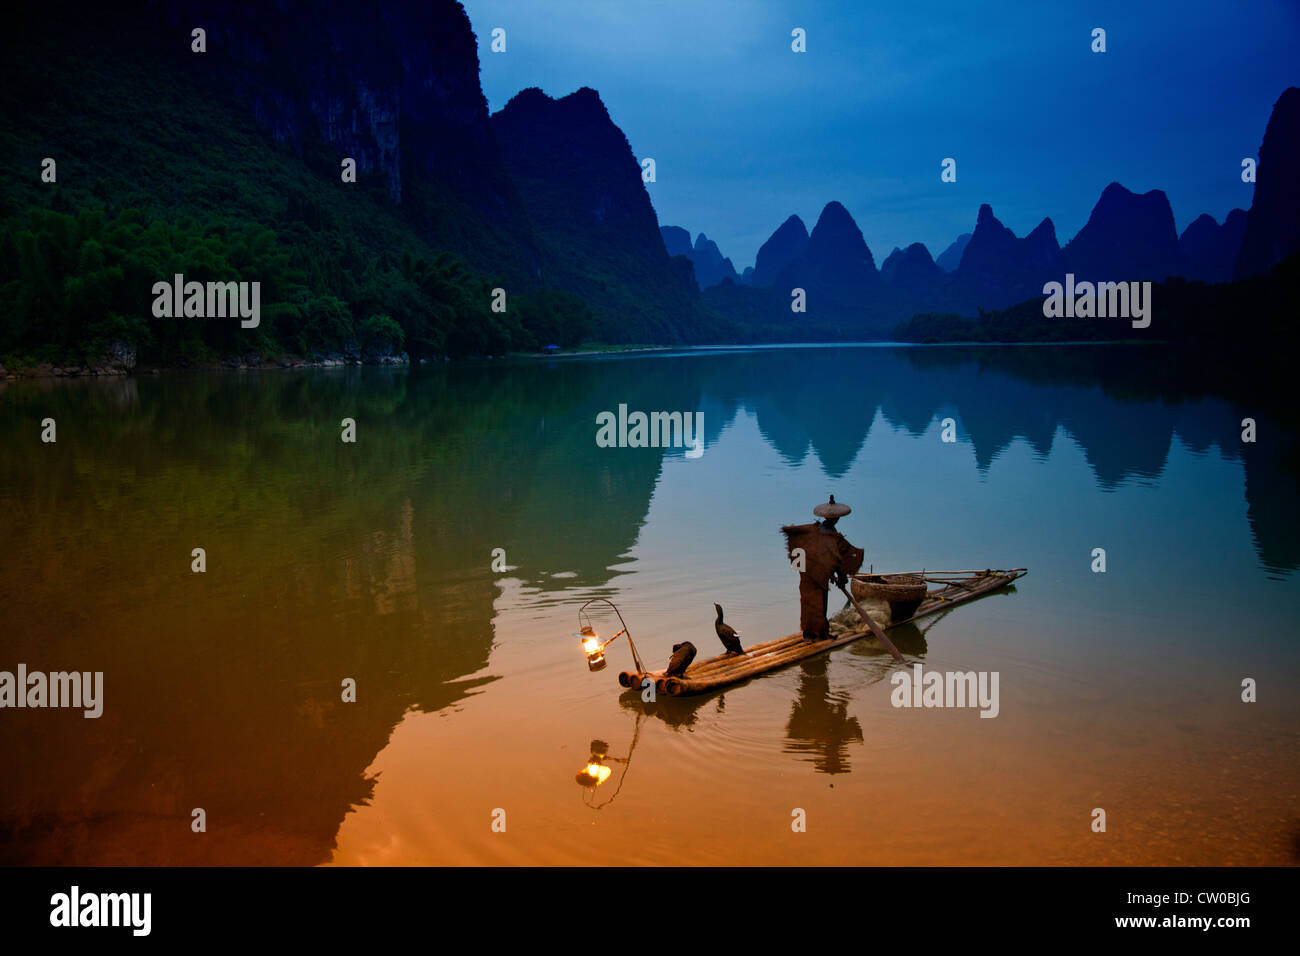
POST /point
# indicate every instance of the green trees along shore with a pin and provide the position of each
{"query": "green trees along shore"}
(75, 283)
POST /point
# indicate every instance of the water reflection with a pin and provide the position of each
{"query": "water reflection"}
(678, 713)
(909, 637)
(598, 772)
(371, 561)
(820, 726)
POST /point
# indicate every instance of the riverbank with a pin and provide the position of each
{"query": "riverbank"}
(123, 362)
(115, 366)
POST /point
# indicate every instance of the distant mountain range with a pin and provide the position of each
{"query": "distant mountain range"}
(709, 264)
(1128, 236)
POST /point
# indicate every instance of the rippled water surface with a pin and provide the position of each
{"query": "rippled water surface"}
(373, 561)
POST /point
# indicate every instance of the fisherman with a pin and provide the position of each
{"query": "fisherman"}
(821, 554)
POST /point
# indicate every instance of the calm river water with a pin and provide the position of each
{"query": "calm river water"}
(373, 561)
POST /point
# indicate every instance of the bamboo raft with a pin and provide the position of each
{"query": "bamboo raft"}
(956, 587)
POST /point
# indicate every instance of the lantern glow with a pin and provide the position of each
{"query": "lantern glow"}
(595, 773)
(599, 769)
(593, 647)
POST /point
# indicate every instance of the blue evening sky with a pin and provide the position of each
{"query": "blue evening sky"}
(745, 132)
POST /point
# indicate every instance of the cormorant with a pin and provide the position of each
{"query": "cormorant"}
(729, 636)
(683, 654)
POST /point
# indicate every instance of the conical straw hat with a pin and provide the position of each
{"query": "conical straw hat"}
(832, 509)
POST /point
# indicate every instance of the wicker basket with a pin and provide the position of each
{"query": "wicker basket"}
(903, 592)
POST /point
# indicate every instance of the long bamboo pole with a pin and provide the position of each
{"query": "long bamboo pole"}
(871, 622)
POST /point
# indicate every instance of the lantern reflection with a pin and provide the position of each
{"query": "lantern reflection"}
(598, 770)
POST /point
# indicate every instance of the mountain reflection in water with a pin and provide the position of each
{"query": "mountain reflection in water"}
(371, 561)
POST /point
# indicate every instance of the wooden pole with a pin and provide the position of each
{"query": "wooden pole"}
(870, 622)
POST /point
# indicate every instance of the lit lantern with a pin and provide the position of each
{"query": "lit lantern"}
(592, 647)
